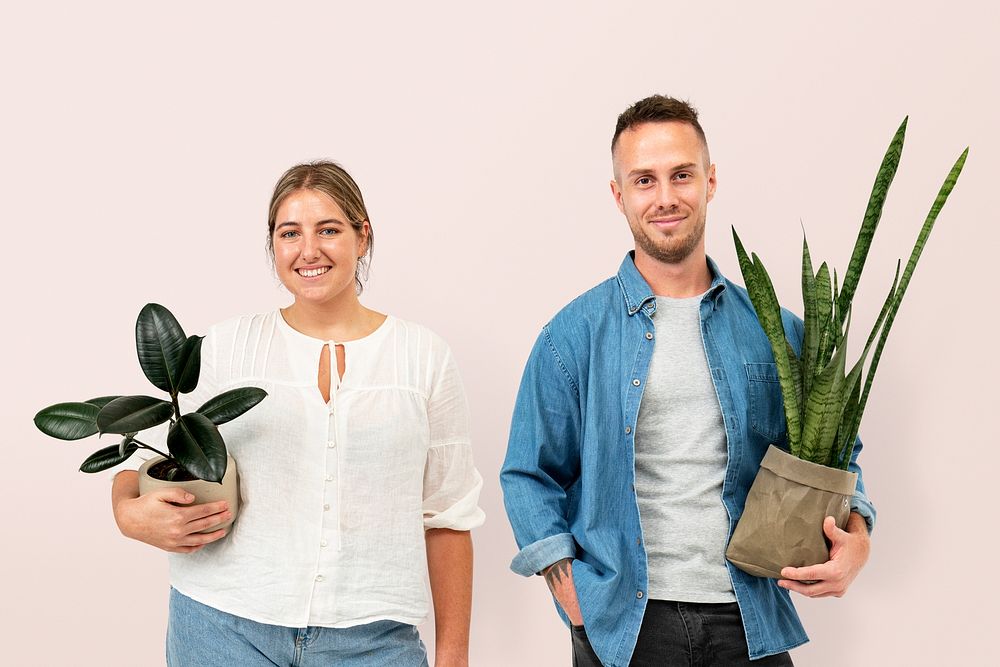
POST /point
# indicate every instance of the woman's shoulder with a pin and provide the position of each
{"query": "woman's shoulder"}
(416, 338)
(242, 329)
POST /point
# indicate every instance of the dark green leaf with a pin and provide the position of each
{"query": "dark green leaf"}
(130, 414)
(106, 458)
(68, 421)
(101, 401)
(231, 404)
(159, 341)
(811, 322)
(198, 446)
(190, 365)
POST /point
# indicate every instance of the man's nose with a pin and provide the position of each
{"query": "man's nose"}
(666, 196)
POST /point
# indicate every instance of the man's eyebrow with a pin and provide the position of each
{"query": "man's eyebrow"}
(638, 171)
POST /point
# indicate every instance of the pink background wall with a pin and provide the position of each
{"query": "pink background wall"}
(139, 147)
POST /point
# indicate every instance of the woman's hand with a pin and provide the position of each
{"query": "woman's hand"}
(165, 518)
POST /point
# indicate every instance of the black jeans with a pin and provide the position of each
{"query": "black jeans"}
(684, 633)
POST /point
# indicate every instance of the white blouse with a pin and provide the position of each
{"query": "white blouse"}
(335, 496)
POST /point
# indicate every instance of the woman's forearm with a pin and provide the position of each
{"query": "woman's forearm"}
(449, 565)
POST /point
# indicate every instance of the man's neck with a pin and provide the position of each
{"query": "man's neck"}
(689, 277)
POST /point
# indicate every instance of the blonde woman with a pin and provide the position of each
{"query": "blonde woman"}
(356, 471)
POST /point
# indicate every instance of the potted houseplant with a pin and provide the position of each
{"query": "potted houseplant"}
(823, 399)
(195, 457)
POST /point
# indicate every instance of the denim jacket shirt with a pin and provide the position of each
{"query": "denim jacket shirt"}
(569, 477)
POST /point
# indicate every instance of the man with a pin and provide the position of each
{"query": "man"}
(645, 409)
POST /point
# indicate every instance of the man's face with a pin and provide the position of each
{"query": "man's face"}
(663, 183)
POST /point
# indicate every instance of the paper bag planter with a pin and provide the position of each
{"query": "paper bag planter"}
(782, 521)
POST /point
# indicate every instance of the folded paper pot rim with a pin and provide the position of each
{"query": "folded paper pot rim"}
(782, 521)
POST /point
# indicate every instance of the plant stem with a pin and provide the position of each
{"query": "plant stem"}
(145, 446)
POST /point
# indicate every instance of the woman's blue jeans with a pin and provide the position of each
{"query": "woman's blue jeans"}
(201, 636)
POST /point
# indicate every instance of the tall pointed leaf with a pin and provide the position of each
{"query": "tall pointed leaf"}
(810, 338)
(198, 446)
(823, 408)
(68, 421)
(133, 413)
(159, 341)
(911, 265)
(873, 213)
(231, 404)
(107, 457)
(765, 303)
(189, 365)
(824, 315)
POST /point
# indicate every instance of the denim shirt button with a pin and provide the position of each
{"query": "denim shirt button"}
(649, 335)
(628, 429)
(638, 594)
(635, 382)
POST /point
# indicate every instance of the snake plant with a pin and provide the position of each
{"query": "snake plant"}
(823, 400)
(172, 362)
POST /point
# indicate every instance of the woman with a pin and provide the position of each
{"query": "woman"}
(356, 470)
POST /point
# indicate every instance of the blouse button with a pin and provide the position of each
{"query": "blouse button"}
(323, 543)
(331, 444)
(320, 577)
(329, 478)
(326, 508)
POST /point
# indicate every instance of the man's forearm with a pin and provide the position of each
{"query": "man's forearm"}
(449, 567)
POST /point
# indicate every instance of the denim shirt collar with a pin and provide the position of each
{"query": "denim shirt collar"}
(638, 293)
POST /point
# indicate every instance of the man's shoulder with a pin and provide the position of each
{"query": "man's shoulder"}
(596, 304)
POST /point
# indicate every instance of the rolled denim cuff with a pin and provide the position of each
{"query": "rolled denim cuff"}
(537, 556)
(864, 507)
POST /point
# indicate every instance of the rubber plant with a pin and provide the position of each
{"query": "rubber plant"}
(823, 401)
(170, 360)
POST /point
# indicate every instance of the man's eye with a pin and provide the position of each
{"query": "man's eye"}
(683, 176)
(645, 180)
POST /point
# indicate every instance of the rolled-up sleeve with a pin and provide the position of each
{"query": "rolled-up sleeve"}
(451, 482)
(543, 460)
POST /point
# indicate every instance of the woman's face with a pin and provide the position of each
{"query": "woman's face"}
(316, 249)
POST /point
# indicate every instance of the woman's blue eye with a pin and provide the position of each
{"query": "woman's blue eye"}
(288, 234)
(331, 231)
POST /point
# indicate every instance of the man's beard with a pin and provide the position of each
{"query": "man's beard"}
(673, 249)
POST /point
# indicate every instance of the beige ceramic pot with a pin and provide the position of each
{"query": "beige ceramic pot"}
(204, 492)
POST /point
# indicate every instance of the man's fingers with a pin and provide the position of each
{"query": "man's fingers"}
(808, 573)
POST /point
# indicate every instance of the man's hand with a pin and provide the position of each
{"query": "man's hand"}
(160, 518)
(559, 577)
(848, 554)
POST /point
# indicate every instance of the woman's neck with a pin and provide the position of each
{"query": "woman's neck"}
(342, 321)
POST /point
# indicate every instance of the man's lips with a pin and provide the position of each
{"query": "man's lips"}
(667, 222)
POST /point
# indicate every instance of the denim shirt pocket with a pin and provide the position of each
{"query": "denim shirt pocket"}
(767, 412)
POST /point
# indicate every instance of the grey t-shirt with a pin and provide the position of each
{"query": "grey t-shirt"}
(680, 463)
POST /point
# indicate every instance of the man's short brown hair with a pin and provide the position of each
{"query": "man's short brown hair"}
(658, 109)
